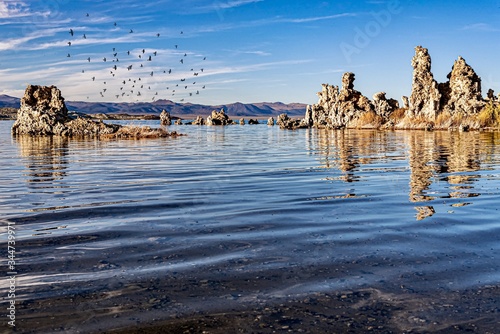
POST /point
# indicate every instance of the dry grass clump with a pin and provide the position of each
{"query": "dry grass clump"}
(369, 119)
(139, 132)
(489, 116)
(397, 115)
(414, 123)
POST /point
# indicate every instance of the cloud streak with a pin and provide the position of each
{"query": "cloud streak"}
(480, 27)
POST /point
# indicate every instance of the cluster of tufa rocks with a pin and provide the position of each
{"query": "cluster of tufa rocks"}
(346, 107)
(43, 112)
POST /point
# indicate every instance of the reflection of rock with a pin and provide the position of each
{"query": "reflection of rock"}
(199, 121)
(218, 118)
(165, 118)
(42, 112)
(442, 153)
(46, 157)
(425, 96)
(270, 121)
(424, 212)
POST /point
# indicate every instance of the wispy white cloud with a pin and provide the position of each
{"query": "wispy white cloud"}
(234, 3)
(12, 9)
(318, 18)
(215, 6)
(481, 27)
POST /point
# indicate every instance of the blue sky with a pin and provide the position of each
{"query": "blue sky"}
(249, 50)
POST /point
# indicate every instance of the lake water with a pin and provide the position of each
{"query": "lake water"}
(111, 234)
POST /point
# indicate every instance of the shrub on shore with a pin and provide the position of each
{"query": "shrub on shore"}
(489, 116)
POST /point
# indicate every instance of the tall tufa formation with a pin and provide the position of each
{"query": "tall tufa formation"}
(460, 95)
(462, 92)
(165, 118)
(42, 112)
(425, 97)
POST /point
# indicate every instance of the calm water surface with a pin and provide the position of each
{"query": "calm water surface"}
(228, 216)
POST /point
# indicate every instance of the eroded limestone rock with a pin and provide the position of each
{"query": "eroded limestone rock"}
(199, 121)
(285, 122)
(338, 108)
(42, 112)
(165, 118)
(462, 92)
(383, 106)
(270, 121)
(425, 96)
(218, 118)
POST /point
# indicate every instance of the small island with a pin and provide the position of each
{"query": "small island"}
(44, 113)
(457, 104)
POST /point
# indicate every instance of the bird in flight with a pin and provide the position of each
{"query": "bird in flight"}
(71, 32)
(69, 43)
(131, 31)
(84, 36)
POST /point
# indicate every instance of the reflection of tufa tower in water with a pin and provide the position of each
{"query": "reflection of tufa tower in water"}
(46, 157)
(442, 156)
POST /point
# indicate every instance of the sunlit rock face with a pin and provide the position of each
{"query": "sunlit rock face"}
(218, 118)
(462, 92)
(338, 108)
(425, 97)
(383, 106)
(42, 112)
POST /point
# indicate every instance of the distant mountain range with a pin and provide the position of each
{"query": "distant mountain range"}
(262, 109)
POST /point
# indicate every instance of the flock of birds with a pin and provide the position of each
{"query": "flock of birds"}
(138, 79)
